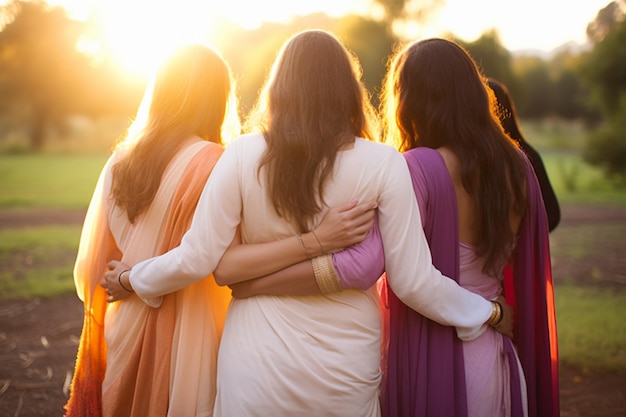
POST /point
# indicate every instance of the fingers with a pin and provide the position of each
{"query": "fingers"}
(113, 264)
(346, 206)
(110, 282)
(360, 210)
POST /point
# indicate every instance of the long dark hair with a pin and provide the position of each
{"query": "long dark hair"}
(312, 104)
(435, 96)
(188, 97)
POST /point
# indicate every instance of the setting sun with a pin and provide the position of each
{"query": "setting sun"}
(139, 33)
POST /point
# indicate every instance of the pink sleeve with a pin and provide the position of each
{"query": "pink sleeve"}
(360, 265)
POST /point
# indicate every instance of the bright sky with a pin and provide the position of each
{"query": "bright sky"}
(143, 30)
(528, 24)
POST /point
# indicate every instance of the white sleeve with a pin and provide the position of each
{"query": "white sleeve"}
(212, 229)
(408, 262)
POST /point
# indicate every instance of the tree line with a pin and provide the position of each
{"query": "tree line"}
(45, 76)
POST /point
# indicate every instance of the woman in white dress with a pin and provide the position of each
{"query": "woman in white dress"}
(316, 355)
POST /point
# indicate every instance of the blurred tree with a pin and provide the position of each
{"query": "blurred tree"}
(493, 58)
(605, 21)
(604, 68)
(251, 53)
(40, 68)
(537, 92)
(534, 87)
(570, 94)
(606, 146)
(398, 15)
(372, 43)
(604, 71)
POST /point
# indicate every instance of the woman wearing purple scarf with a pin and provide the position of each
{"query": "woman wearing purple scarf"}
(484, 218)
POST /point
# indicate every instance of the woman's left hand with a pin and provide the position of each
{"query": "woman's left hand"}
(243, 289)
(111, 281)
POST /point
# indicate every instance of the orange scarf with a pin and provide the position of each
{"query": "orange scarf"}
(144, 384)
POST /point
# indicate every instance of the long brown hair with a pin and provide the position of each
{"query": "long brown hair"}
(435, 96)
(312, 104)
(188, 97)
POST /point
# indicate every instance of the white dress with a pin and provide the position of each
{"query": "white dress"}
(313, 355)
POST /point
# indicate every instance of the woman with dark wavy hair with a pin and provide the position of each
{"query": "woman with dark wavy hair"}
(309, 355)
(508, 117)
(483, 216)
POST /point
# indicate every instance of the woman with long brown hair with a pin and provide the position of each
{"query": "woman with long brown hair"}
(134, 360)
(313, 355)
(487, 229)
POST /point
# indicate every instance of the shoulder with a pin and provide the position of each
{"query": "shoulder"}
(247, 145)
(379, 150)
(424, 157)
(422, 153)
(247, 140)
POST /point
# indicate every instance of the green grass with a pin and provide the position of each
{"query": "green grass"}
(575, 181)
(560, 144)
(550, 135)
(63, 181)
(37, 262)
(591, 328)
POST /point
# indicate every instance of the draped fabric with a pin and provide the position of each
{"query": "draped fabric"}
(419, 348)
(529, 287)
(134, 360)
(424, 362)
(96, 239)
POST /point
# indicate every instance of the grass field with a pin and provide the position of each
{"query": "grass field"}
(37, 262)
(48, 181)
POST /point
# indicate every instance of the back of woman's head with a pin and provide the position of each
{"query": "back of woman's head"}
(313, 103)
(315, 78)
(436, 96)
(191, 92)
(189, 96)
(505, 109)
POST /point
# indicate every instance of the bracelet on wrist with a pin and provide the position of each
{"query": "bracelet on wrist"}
(119, 280)
(299, 236)
(318, 242)
(325, 275)
(496, 314)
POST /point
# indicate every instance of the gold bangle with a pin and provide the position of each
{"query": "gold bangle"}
(318, 242)
(492, 316)
(306, 252)
(500, 314)
(496, 314)
(325, 274)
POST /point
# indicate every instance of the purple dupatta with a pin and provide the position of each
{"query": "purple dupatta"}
(424, 373)
(423, 363)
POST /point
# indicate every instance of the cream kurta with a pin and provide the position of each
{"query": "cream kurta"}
(315, 355)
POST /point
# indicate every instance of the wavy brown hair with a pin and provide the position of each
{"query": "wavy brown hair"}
(188, 97)
(312, 104)
(434, 96)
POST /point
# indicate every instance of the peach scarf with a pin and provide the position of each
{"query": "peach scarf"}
(165, 371)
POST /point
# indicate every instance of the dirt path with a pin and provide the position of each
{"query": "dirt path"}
(39, 338)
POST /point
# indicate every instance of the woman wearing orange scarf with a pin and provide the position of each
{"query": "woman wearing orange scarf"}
(134, 360)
